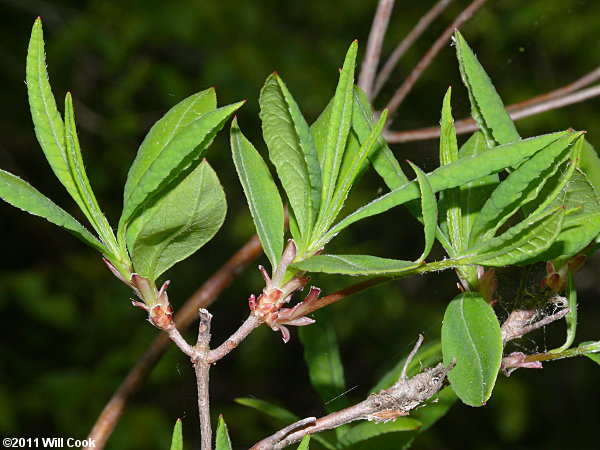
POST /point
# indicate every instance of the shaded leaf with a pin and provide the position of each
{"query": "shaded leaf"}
(486, 106)
(590, 164)
(22, 195)
(186, 147)
(177, 439)
(355, 265)
(571, 317)
(222, 441)
(322, 357)
(471, 336)
(261, 192)
(428, 210)
(292, 151)
(367, 430)
(178, 223)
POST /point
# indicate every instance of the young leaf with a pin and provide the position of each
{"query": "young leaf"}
(261, 192)
(472, 338)
(91, 209)
(222, 441)
(164, 131)
(177, 439)
(465, 170)
(382, 158)
(186, 147)
(521, 244)
(304, 443)
(355, 265)
(49, 128)
(22, 195)
(486, 106)
(589, 164)
(339, 126)
(177, 223)
(292, 151)
(523, 182)
(322, 357)
(428, 210)
(571, 317)
(368, 430)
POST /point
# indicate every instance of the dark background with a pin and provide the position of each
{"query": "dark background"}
(68, 332)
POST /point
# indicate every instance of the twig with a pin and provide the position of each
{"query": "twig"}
(203, 297)
(406, 43)
(520, 323)
(410, 358)
(468, 125)
(376, 36)
(441, 41)
(234, 340)
(387, 405)
(202, 369)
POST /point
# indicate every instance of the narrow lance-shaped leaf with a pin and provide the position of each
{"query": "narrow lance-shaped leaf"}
(91, 208)
(177, 439)
(292, 151)
(222, 441)
(521, 244)
(510, 195)
(356, 265)
(178, 223)
(261, 192)
(382, 158)
(187, 147)
(571, 317)
(49, 128)
(164, 131)
(322, 357)
(468, 169)
(339, 126)
(368, 430)
(486, 106)
(22, 195)
(304, 443)
(428, 210)
(472, 338)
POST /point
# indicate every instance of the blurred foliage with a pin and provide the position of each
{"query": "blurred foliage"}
(69, 334)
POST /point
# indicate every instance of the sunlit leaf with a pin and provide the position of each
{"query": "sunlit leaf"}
(368, 430)
(428, 210)
(355, 265)
(222, 441)
(472, 338)
(261, 192)
(304, 443)
(571, 317)
(486, 106)
(177, 439)
(178, 223)
(22, 195)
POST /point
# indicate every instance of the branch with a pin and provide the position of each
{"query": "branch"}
(203, 297)
(234, 340)
(389, 404)
(202, 369)
(468, 125)
(406, 43)
(376, 36)
(441, 41)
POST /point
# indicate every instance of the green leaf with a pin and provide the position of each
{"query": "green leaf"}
(382, 158)
(465, 170)
(521, 244)
(177, 223)
(368, 430)
(49, 128)
(261, 192)
(304, 443)
(355, 265)
(187, 147)
(571, 317)
(165, 130)
(471, 336)
(428, 210)
(486, 106)
(593, 356)
(280, 414)
(90, 204)
(339, 126)
(292, 151)
(324, 363)
(524, 182)
(590, 164)
(22, 195)
(222, 441)
(177, 440)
